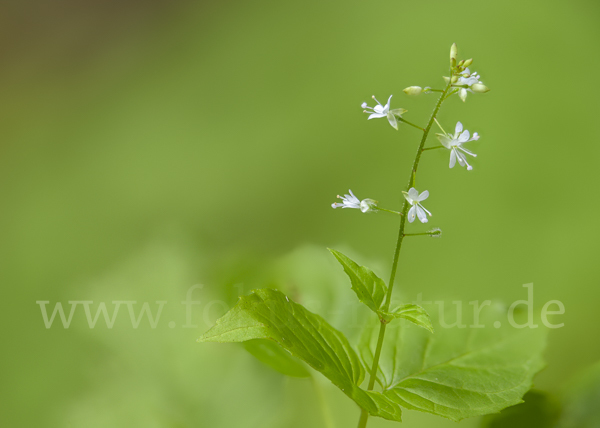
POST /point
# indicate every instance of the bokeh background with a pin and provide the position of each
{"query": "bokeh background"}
(149, 146)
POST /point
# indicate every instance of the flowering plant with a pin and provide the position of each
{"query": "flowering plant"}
(450, 373)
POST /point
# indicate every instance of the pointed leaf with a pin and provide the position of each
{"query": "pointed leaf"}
(413, 313)
(369, 288)
(269, 314)
(459, 372)
(276, 357)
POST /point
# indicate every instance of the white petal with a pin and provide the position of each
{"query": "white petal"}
(393, 121)
(424, 195)
(388, 103)
(378, 109)
(464, 137)
(413, 194)
(452, 158)
(421, 214)
(462, 94)
(461, 158)
(475, 136)
(411, 214)
(376, 115)
(458, 128)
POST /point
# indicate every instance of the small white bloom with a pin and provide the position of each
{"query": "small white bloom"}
(383, 111)
(417, 210)
(351, 201)
(472, 82)
(454, 144)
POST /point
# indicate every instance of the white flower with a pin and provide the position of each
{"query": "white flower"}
(454, 144)
(383, 111)
(417, 209)
(472, 82)
(351, 201)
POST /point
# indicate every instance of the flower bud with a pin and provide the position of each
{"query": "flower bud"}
(468, 63)
(453, 52)
(368, 205)
(479, 88)
(435, 233)
(413, 90)
(454, 79)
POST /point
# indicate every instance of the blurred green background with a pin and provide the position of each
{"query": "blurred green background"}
(148, 146)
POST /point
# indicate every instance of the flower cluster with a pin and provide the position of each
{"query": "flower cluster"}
(461, 82)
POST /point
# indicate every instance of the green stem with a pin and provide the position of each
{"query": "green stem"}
(433, 148)
(418, 234)
(364, 416)
(411, 124)
(389, 211)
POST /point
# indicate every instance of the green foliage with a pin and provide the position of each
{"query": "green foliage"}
(369, 288)
(456, 373)
(276, 357)
(413, 313)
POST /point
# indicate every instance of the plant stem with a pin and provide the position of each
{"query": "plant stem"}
(411, 124)
(389, 211)
(433, 148)
(364, 416)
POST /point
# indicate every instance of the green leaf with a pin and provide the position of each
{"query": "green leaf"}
(269, 314)
(539, 410)
(459, 372)
(369, 288)
(413, 313)
(276, 357)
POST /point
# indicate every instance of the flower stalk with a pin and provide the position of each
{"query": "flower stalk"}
(364, 416)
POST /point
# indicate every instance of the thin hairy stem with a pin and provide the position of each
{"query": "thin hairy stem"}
(364, 416)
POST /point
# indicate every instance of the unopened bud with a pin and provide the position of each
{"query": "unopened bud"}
(435, 233)
(454, 79)
(460, 64)
(468, 63)
(368, 205)
(453, 52)
(413, 90)
(479, 88)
